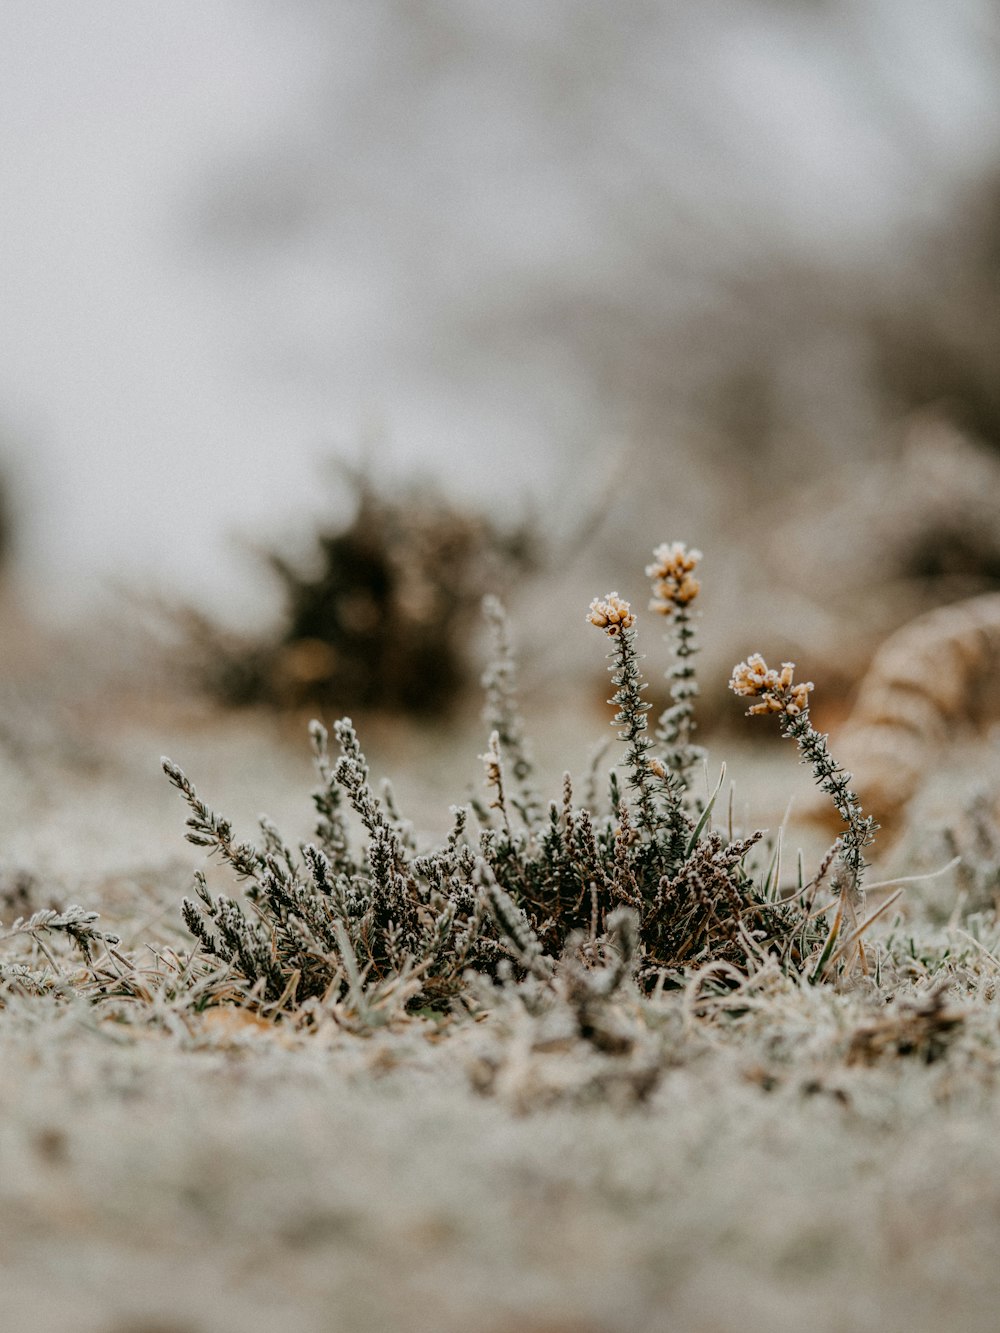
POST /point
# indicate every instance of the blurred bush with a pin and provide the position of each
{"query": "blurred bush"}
(383, 617)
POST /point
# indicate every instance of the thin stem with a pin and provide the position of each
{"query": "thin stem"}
(631, 721)
(677, 723)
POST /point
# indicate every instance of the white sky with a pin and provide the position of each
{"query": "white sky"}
(158, 396)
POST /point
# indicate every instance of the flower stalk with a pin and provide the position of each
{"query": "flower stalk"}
(615, 616)
(674, 590)
(777, 692)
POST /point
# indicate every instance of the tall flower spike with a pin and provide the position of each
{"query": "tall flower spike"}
(776, 692)
(613, 615)
(674, 590)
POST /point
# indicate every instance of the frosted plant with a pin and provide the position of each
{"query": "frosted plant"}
(777, 692)
(692, 897)
(75, 922)
(324, 922)
(615, 617)
(537, 888)
(674, 590)
(39, 931)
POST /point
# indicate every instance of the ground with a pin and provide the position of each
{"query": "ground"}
(798, 1157)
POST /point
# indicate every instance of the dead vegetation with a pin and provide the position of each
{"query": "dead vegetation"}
(930, 686)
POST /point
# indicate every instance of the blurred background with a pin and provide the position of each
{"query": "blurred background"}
(585, 277)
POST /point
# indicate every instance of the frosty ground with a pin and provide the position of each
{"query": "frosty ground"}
(805, 1157)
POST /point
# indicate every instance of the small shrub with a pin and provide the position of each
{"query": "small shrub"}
(540, 888)
(322, 919)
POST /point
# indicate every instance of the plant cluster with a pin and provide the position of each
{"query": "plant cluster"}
(536, 887)
(322, 918)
